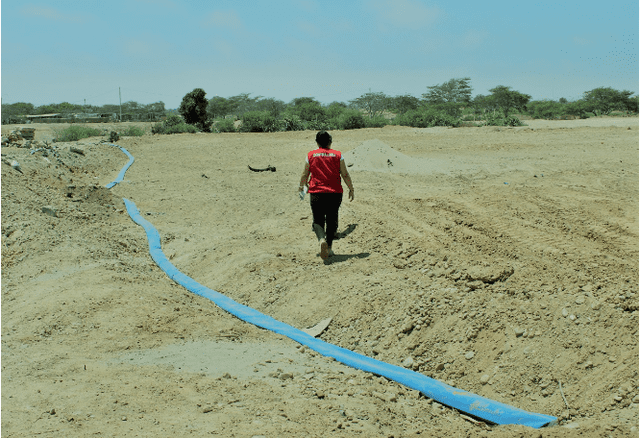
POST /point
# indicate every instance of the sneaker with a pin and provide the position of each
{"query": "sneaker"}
(324, 249)
(331, 253)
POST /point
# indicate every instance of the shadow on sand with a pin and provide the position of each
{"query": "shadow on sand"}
(337, 258)
(350, 228)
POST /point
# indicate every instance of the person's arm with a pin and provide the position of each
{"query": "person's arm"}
(304, 180)
(347, 178)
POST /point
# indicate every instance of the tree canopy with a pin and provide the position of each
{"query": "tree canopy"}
(607, 99)
(452, 91)
(506, 99)
(372, 103)
(194, 109)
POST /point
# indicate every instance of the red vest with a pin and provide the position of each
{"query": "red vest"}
(324, 165)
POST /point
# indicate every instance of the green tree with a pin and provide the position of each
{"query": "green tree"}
(307, 109)
(219, 106)
(18, 109)
(260, 121)
(47, 109)
(242, 103)
(507, 99)
(372, 103)
(404, 103)
(193, 109)
(453, 91)
(274, 106)
(579, 108)
(607, 99)
(68, 108)
(449, 97)
(156, 107)
(545, 109)
(334, 109)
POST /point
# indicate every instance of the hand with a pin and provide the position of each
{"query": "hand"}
(350, 195)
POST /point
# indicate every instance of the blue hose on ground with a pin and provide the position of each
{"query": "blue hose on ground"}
(472, 404)
(124, 169)
(464, 401)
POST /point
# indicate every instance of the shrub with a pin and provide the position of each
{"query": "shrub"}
(375, 122)
(173, 120)
(426, 118)
(350, 119)
(493, 120)
(173, 125)
(292, 123)
(182, 128)
(318, 125)
(75, 133)
(225, 125)
(159, 128)
(542, 109)
(133, 131)
(260, 121)
(513, 121)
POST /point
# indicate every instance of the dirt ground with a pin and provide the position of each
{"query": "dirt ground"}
(503, 261)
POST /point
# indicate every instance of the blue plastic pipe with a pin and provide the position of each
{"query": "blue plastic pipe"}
(120, 176)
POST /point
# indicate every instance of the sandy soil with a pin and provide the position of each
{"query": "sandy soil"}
(519, 245)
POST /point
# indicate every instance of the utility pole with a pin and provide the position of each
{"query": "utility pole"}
(120, 94)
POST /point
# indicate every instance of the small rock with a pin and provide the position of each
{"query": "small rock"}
(476, 284)
(469, 355)
(47, 209)
(565, 313)
(596, 306)
(580, 300)
(407, 327)
(124, 418)
(572, 317)
(587, 287)
(485, 379)
(440, 367)
(408, 362)
(572, 425)
(519, 331)
(635, 399)
(285, 376)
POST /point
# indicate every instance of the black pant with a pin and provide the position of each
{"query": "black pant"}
(324, 207)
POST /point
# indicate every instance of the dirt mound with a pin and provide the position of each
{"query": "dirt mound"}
(376, 156)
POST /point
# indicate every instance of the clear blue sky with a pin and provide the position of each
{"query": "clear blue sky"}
(159, 50)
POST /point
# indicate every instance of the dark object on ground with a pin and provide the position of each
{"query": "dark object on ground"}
(268, 168)
(113, 137)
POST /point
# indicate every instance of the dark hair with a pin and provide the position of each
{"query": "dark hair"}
(323, 138)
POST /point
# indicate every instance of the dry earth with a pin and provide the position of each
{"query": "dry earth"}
(503, 261)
